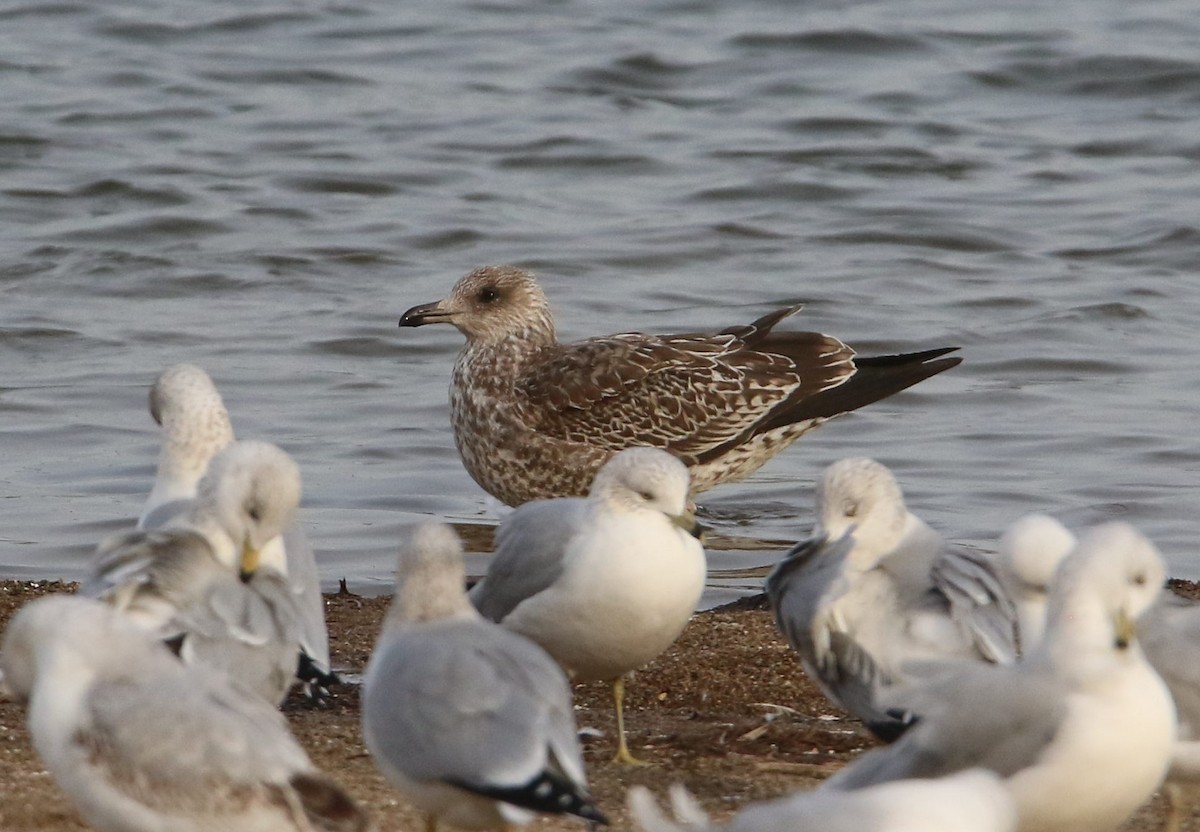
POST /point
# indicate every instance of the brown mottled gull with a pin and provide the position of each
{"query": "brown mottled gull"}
(536, 418)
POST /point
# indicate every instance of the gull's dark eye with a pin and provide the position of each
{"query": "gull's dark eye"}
(647, 496)
(254, 511)
(851, 510)
(1139, 579)
(488, 294)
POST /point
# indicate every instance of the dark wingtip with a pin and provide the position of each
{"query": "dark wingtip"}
(894, 724)
(875, 378)
(548, 792)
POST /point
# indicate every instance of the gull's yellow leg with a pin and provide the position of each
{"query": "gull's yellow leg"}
(1175, 806)
(623, 755)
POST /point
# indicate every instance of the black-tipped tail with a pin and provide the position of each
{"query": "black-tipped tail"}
(316, 681)
(875, 378)
(550, 793)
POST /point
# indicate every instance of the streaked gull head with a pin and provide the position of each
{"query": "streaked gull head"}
(430, 577)
(492, 303)
(185, 403)
(252, 491)
(863, 495)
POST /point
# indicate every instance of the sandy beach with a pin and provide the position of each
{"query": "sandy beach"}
(726, 711)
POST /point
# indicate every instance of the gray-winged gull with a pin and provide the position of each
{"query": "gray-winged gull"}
(875, 588)
(1081, 729)
(185, 403)
(604, 583)
(472, 722)
(140, 742)
(536, 418)
(213, 581)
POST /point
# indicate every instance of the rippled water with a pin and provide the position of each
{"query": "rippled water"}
(263, 189)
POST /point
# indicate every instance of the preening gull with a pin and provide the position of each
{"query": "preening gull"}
(1029, 554)
(970, 801)
(875, 589)
(536, 418)
(1081, 729)
(603, 583)
(185, 403)
(140, 742)
(474, 723)
(213, 581)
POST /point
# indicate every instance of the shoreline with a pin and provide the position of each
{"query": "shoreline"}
(727, 711)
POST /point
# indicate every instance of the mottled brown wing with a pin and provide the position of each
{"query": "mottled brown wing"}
(686, 393)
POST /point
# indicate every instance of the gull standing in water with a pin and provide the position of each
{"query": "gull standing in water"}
(536, 418)
(472, 722)
(140, 742)
(212, 581)
(604, 583)
(185, 403)
(1081, 729)
(875, 589)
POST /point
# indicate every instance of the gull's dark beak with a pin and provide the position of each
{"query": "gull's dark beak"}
(426, 313)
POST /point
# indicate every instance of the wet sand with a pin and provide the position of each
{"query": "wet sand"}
(727, 711)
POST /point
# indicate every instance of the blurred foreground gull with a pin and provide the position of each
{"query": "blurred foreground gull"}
(142, 743)
(1030, 551)
(605, 583)
(472, 722)
(536, 418)
(1170, 635)
(185, 403)
(1081, 728)
(875, 589)
(970, 801)
(213, 580)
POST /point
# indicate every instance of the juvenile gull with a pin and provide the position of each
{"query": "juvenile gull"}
(142, 743)
(536, 418)
(213, 580)
(970, 801)
(603, 583)
(875, 589)
(185, 403)
(472, 722)
(1081, 729)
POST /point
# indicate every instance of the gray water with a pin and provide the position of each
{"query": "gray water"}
(262, 189)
